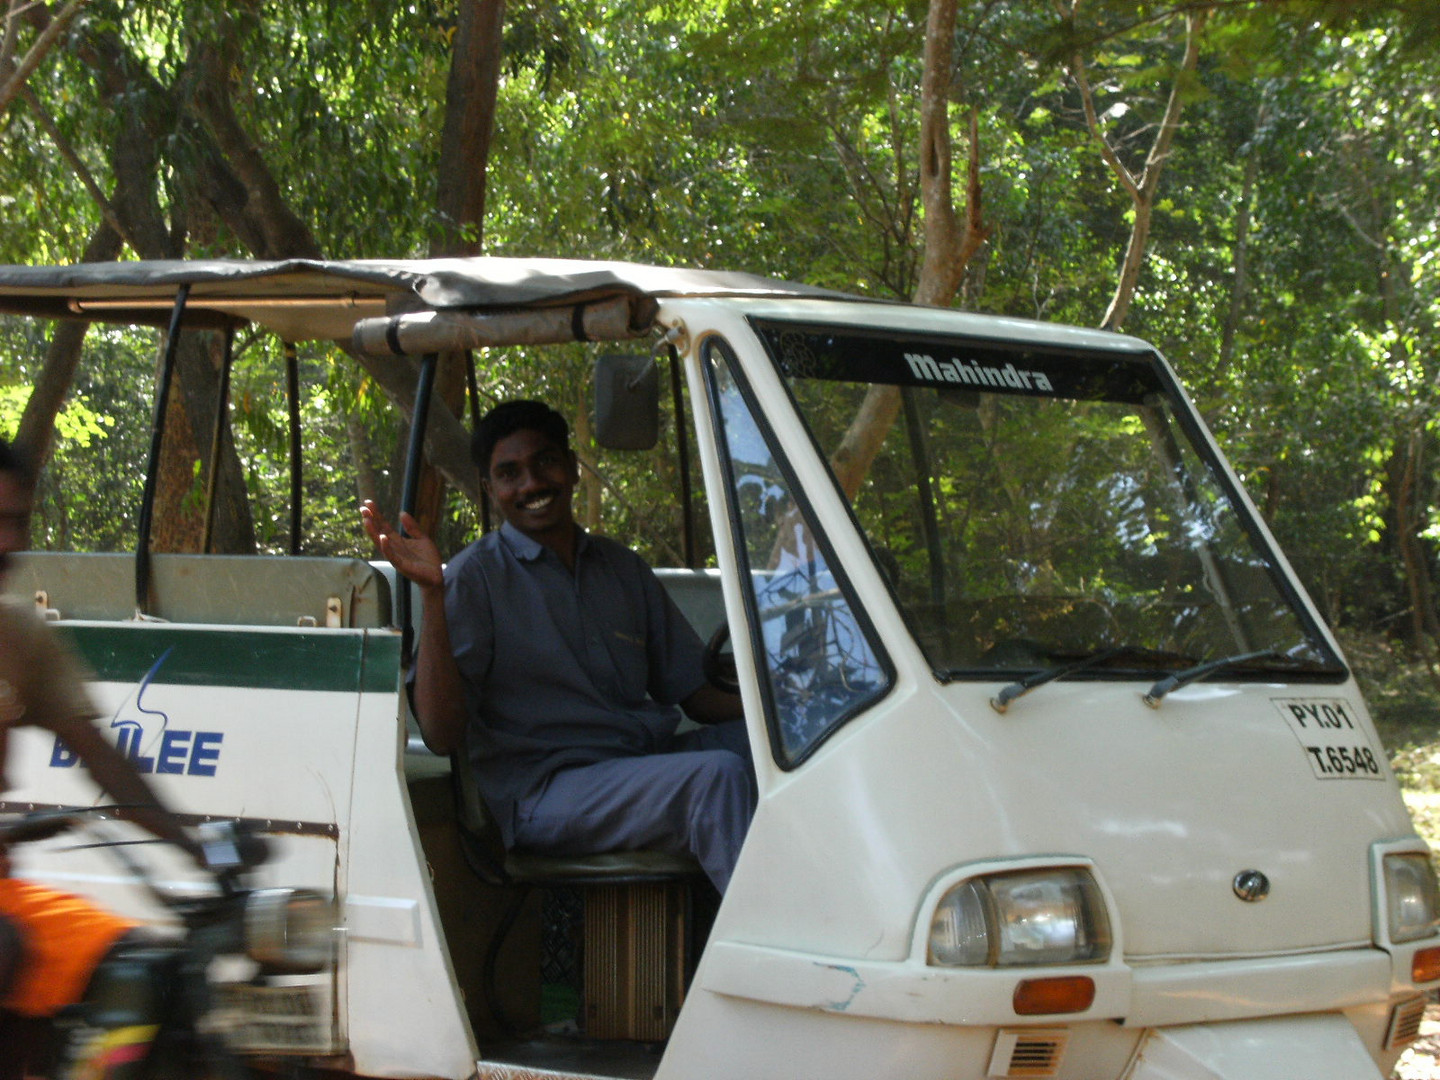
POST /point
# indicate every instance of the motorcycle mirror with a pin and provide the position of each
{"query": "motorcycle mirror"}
(232, 845)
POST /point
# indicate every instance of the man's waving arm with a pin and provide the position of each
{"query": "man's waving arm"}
(439, 687)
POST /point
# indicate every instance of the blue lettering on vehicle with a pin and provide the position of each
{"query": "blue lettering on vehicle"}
(172, 751)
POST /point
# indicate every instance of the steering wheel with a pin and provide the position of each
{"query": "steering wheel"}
(719, 663)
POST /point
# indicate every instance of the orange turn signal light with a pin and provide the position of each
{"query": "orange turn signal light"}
(1058, 994)
(1425, 965)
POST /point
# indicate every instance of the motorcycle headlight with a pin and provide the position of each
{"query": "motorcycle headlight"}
(290, 930)
(1027, 917)
(1412, 897)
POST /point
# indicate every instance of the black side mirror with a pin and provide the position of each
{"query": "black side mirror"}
(627, 402)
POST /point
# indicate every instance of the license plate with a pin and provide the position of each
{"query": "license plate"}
(287, 1019)
(1333, 741)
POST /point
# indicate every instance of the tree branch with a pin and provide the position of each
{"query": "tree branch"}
(282, 233)
(37, 52)
(1155, 160)
(107, 209)
(62, 356)
(1127, 179)
(470, 98)
(1142, 195)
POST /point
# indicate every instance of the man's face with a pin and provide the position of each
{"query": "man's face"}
(15, 499)
(532, 480)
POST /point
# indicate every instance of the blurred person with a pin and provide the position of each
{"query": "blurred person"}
(50, 942)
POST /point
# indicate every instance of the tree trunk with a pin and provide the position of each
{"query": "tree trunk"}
(231, 178)
(367, 483)
(591, 491)
(146, 121)
(1142, 190)
(949, 245)
(185, 461)
(470, 97)
(1409, 520)
(36, 430)
(1239, 282)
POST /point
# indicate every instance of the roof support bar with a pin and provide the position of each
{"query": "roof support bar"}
(157, 440)
(414, 454)
(222, 407)
(613, 319)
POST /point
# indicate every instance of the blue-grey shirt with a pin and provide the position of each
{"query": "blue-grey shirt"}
(563, 669)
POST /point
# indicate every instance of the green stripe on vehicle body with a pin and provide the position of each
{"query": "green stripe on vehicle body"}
(335, 660)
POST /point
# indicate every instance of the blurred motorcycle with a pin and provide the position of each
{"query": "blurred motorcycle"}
(152, 1009)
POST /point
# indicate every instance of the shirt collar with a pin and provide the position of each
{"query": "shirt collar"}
(528, 550)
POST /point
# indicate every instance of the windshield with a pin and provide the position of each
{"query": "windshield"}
(1030, 507)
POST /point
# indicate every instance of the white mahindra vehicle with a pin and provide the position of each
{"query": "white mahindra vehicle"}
(1061, 774)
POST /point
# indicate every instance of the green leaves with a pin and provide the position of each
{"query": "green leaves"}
(1291, 269)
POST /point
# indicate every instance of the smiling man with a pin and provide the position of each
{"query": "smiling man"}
(557, 659)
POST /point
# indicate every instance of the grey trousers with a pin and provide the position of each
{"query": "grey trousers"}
(696, 798)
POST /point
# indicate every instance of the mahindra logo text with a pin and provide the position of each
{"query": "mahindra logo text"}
(976, 374)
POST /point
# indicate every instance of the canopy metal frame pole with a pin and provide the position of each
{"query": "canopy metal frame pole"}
(157, 442)
(414, 455)
(217, 434)
(682, 449)
(297, 476)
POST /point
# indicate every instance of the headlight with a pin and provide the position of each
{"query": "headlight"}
(1028, 917)
(291, 930)
(1412, 898)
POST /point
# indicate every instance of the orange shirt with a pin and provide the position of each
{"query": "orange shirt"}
(65, 937)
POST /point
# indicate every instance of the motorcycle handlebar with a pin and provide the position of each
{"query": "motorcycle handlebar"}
(38, 826)
(230, 846)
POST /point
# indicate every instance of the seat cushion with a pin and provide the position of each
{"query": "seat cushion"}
(610, 868)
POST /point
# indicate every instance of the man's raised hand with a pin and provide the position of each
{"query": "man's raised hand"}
(413, 554)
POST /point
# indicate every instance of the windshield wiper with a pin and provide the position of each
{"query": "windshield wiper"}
(1199, 671)
(1001, 701)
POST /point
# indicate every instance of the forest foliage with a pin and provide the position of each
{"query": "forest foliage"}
(1279, 163)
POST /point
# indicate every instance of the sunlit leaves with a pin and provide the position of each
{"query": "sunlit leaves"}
(783, 138)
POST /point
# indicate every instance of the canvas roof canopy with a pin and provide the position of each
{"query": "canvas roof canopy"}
(381, 305)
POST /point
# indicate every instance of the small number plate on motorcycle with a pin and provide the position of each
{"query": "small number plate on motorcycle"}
(275, 1019)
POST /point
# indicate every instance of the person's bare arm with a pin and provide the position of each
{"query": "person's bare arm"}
(439, 687)
(135, 799)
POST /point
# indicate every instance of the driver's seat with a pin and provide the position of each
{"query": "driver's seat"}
(638, 923)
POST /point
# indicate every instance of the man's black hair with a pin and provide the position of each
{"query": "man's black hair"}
(14, 460)
(509, 417)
